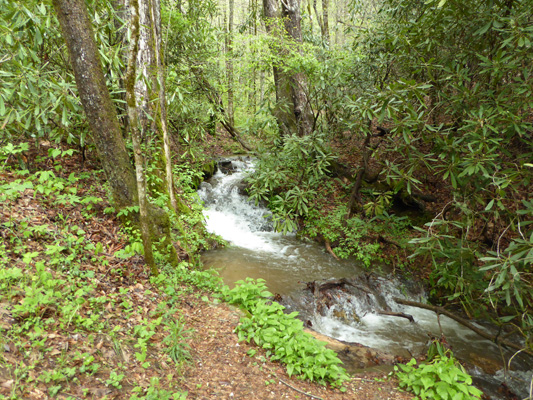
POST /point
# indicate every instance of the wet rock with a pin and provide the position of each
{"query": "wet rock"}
(209, 169)
(354, 356)
(487, 364)
(226, 166)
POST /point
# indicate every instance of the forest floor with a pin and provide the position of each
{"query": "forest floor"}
(80, 319)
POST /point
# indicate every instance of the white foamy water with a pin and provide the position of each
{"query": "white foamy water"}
(234, 217)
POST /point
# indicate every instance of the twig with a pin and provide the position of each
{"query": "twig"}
(464, 322)
(301, 391)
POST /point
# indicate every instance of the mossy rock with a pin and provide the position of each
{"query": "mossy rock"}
(209, 169)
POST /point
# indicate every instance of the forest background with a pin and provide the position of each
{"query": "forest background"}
(356, 111)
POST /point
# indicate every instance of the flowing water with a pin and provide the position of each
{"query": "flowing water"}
(287, 263)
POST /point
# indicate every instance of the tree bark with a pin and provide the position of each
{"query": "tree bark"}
(293, 111)
(282, 112)
(136, 139)
(298, 82)
(325, 21)
(101, 114)
(229, 63)
(96, 101)
(158, 48)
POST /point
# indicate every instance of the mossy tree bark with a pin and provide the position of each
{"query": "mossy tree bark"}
(136, 139)
(229, 63)
(150, 90)
(101, 114)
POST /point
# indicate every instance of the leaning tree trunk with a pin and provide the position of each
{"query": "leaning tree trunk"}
(101, 114)
(96, 101)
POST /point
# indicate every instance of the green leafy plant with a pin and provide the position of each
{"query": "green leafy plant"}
(154, 392)
(282, 335)
(115, 379)
(289, 176)
(442, 378)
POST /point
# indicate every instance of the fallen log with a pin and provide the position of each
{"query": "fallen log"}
(355, 356)
(440, 310)
(337, 283)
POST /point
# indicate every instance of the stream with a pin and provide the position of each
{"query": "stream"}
(287, 263)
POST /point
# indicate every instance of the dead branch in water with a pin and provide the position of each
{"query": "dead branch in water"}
(464, 322)
(397, 314)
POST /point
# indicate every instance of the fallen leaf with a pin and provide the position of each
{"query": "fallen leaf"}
(7, 384)
(55, 352)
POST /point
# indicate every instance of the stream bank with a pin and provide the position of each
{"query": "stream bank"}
(354, 317)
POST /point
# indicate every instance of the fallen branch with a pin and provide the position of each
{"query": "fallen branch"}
(301, 391)
(464, 322)
(397, 314)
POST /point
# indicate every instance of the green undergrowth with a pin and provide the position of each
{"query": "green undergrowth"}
(76, 321)
(282, 335)
(440, 378)
(62, 280)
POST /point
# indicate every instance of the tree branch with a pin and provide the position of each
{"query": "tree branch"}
(464, 322)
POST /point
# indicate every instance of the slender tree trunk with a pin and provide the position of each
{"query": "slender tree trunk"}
(261, 86)
(325, 21)
(253, 95)
(101, 114)
(136, 138)
(229, 62)
(318, 17)
(158, 50)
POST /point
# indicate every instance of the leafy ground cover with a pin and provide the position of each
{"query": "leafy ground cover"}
(79, 320)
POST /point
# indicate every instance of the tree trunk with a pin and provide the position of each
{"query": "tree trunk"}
(96, 101)
(293, 111)
(318, 17)
(253, 95)
(101, 113)
(325, 21)
(283, 110)
(299, 87)
(229, 63)
(157, 32)
(136, 138)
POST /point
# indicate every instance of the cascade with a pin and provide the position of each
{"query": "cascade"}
(287, 263)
